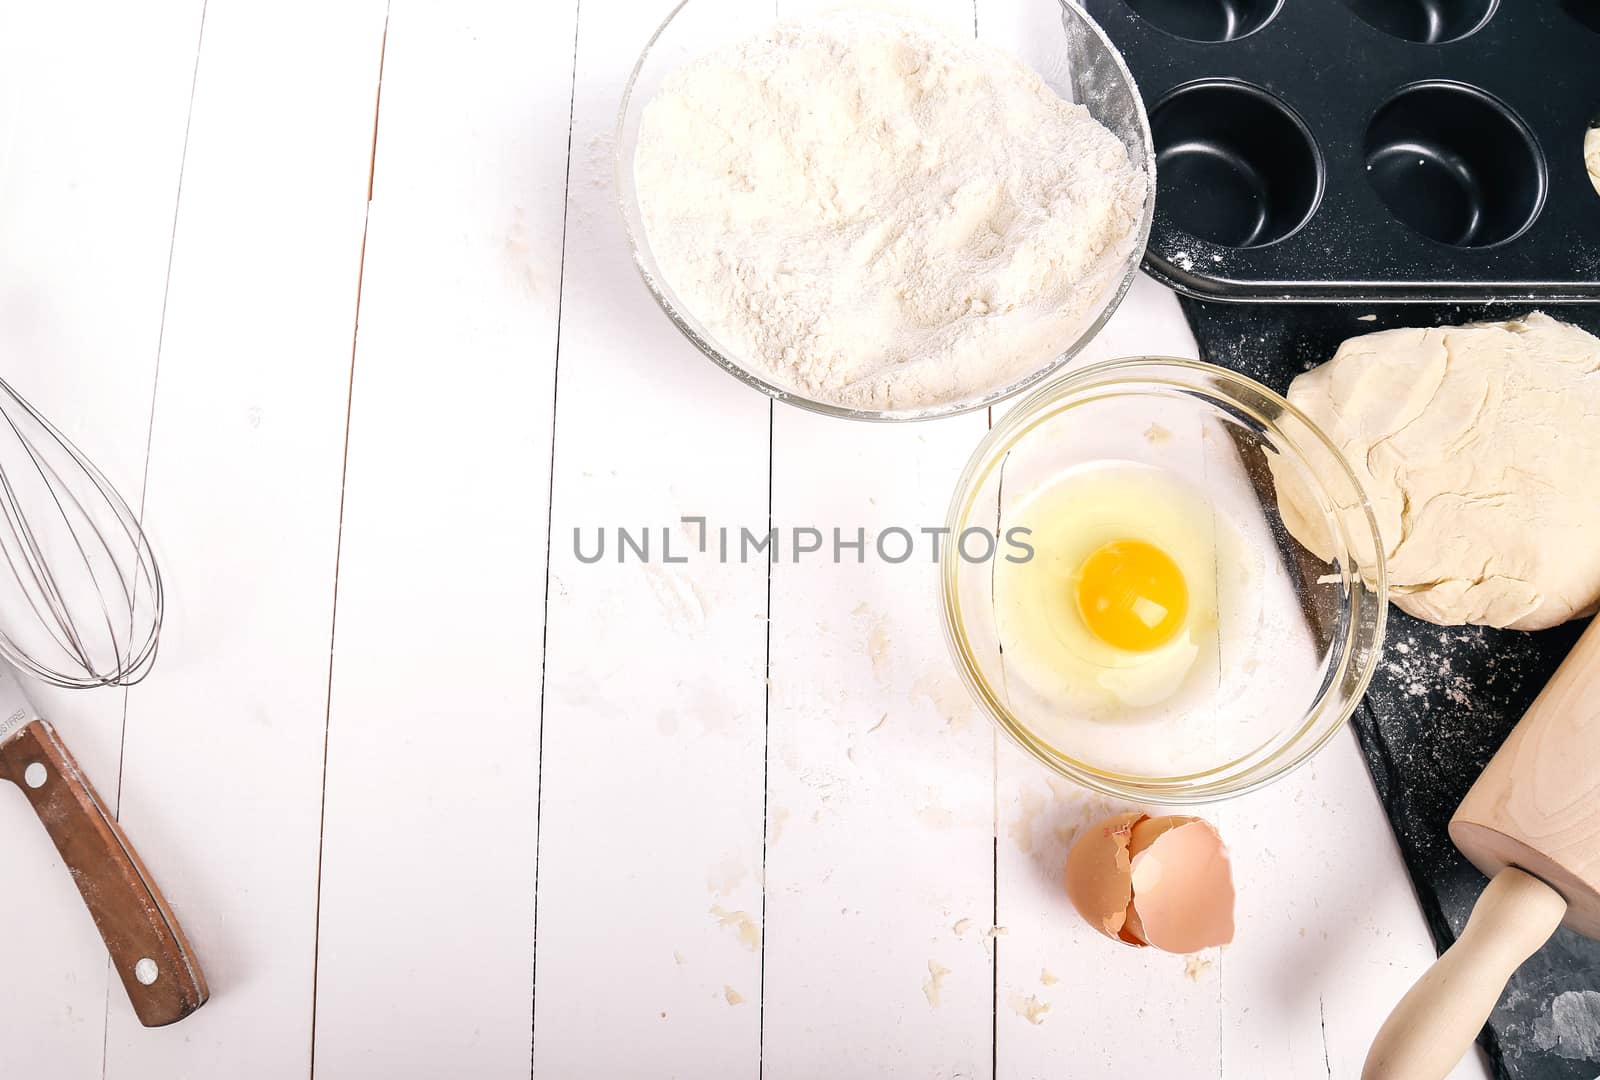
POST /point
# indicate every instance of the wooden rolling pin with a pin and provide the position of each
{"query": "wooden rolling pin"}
(1532, 823)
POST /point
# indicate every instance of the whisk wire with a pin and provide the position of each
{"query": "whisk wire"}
(30, 572)
(93, 534)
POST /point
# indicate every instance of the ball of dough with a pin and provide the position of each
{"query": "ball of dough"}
(1479, 449)
(1591, 156)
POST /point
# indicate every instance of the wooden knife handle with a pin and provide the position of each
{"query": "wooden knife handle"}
(147, 946)
(1435, 1023)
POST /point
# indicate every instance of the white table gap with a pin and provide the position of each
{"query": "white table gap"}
(223, 774)
(650, 841)
(433, 757)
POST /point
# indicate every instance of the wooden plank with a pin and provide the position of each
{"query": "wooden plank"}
(649, 891)
(223, 772)
(1050, 962)
(1330, 934)
(433, 760)
(880, 793)
(88, 187)
(881, 812)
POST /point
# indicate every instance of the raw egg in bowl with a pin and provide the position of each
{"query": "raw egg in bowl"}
(1148, 627)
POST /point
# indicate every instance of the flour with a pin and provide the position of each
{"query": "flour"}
(1572, 1028)
(872, 214)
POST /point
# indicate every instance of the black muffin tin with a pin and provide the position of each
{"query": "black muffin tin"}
(1343, 150)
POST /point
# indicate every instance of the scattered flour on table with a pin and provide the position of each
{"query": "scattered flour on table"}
(870, 213)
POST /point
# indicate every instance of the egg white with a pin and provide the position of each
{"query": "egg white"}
(1043, 635)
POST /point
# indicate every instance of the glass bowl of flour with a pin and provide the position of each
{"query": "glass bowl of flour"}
(876, 216)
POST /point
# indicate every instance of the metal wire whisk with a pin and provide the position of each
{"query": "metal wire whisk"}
(83, 602)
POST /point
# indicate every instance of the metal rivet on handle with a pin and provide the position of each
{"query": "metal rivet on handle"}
(146, 971)
(35, 774)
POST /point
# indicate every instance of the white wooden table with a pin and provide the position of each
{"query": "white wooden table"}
(338, 293)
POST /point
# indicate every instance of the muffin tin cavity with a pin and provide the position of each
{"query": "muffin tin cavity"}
(1455, 164)
(1429, 22)
(1234, 165)
(1359, 151)
(1586, 12)
(1207, 20)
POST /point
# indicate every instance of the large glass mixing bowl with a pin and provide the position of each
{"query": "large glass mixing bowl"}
(1073, 56)
(1299, 587)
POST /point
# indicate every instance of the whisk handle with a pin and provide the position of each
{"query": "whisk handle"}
(147, 946)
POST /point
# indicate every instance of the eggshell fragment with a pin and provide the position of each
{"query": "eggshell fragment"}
(1162, 881)
(1147, 830)
(1183, 889)
(1099, 875)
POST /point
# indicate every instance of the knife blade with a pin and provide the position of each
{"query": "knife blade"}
(14, 703)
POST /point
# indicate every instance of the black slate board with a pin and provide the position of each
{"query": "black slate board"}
(1442, 701)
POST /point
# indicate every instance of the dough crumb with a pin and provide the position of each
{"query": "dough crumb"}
(740, 922)
(930, 989)
(1029, 1008)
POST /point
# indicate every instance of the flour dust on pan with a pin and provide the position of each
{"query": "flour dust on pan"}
(1571, 1029)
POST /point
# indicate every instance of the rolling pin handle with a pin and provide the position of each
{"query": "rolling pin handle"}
(1435, 1023)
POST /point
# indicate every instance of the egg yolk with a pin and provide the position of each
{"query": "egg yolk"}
(1132, 596)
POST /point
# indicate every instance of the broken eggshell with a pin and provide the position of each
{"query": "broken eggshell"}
(1162, 881)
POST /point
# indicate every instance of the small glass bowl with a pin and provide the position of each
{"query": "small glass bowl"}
(1079, 63)
(1294, 654)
